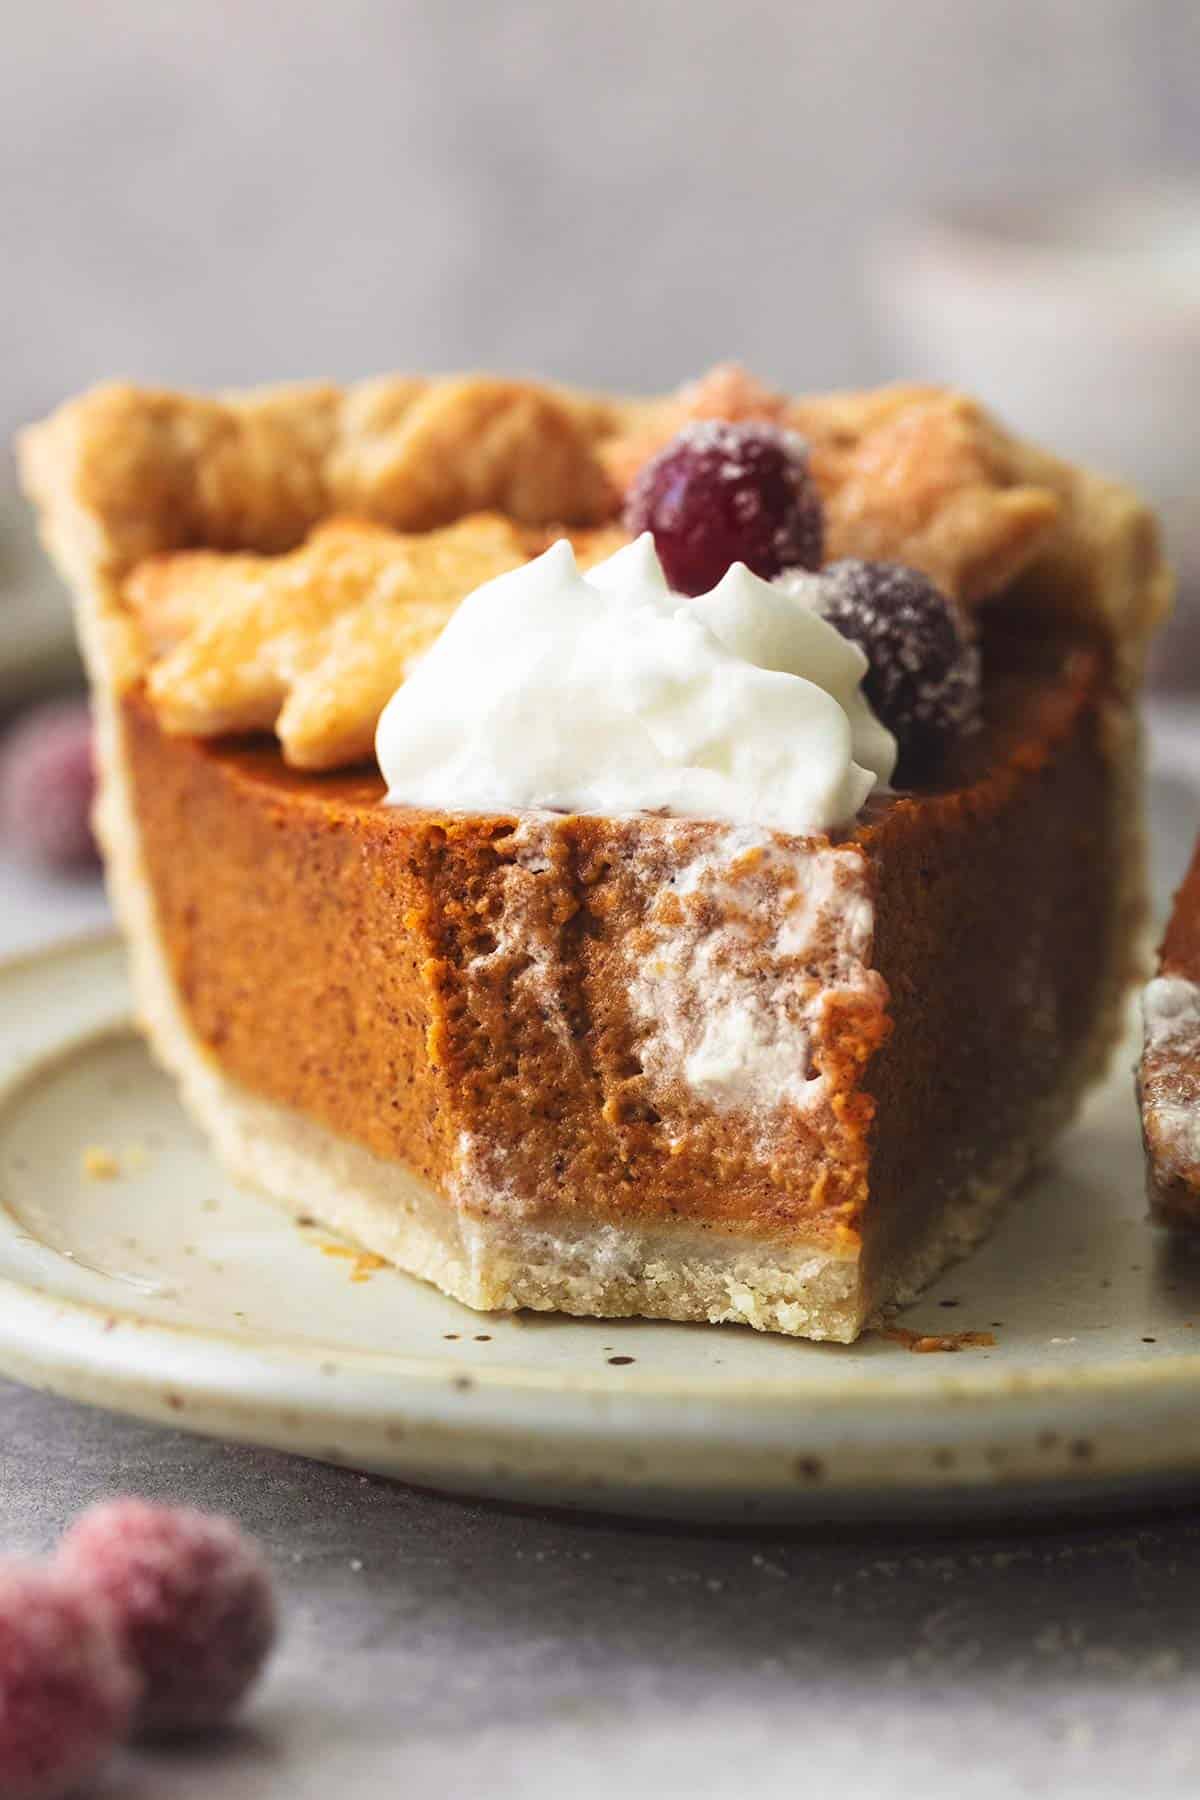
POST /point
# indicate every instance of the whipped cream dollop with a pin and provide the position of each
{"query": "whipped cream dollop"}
(607, 693)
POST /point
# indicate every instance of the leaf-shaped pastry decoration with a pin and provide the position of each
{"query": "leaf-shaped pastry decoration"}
(923, 476)
(312, 644)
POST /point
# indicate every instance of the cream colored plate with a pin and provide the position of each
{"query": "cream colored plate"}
(165, 1291)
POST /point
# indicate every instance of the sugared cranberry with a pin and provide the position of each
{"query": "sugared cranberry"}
(67, 1691)
(923, 679)
(192, 1601)
(721, 493)
(47, 783)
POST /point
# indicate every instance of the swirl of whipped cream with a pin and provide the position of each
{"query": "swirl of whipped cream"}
(607, 693)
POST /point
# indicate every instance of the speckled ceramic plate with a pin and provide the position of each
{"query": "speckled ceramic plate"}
(133, 1274)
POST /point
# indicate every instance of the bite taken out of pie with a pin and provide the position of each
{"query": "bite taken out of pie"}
(755, 875)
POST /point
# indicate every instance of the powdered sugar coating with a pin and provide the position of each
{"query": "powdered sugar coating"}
(191, 1598)
(1171, 1011)
(723, 492)
(1170, 1076)
(924, 675)
(67, 1690)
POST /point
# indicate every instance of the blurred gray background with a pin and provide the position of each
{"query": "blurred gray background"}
(616, 192)
(221, 192)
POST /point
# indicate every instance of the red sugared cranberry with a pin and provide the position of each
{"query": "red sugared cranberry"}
(67, 1691)
(192, 1600)
(721, 493)
(923, 679)
(47, 783)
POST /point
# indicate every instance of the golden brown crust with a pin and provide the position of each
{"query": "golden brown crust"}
(921, 476)
(312, 644)
(912, 474)
(256, 471)
(465, 445)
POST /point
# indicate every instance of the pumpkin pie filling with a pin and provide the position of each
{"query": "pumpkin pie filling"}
(478, 1022)
(604, 1063)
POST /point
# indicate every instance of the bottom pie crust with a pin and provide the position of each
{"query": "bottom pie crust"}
(604, 1271)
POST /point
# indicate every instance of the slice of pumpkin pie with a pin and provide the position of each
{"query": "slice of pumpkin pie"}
(1169, 1074)
(675, 857)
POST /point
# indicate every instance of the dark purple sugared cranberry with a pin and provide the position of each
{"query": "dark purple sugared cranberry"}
(923, 679)
(721, 493)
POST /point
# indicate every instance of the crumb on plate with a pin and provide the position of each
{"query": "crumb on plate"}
(99, 1163)
(926, 1343)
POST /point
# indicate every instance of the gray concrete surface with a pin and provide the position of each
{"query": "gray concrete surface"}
(440, 1648)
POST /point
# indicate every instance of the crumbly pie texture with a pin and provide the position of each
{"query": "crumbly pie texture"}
(243, 501)
(393, 499)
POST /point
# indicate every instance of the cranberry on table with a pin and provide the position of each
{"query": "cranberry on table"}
(923, 679)
(67, 1690)
(723, 492)
(47, 785)
(192, 1600)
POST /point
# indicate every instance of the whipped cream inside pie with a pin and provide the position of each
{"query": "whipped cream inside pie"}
(742, 978)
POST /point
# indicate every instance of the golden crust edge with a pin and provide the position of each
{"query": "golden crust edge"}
(123, 471)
